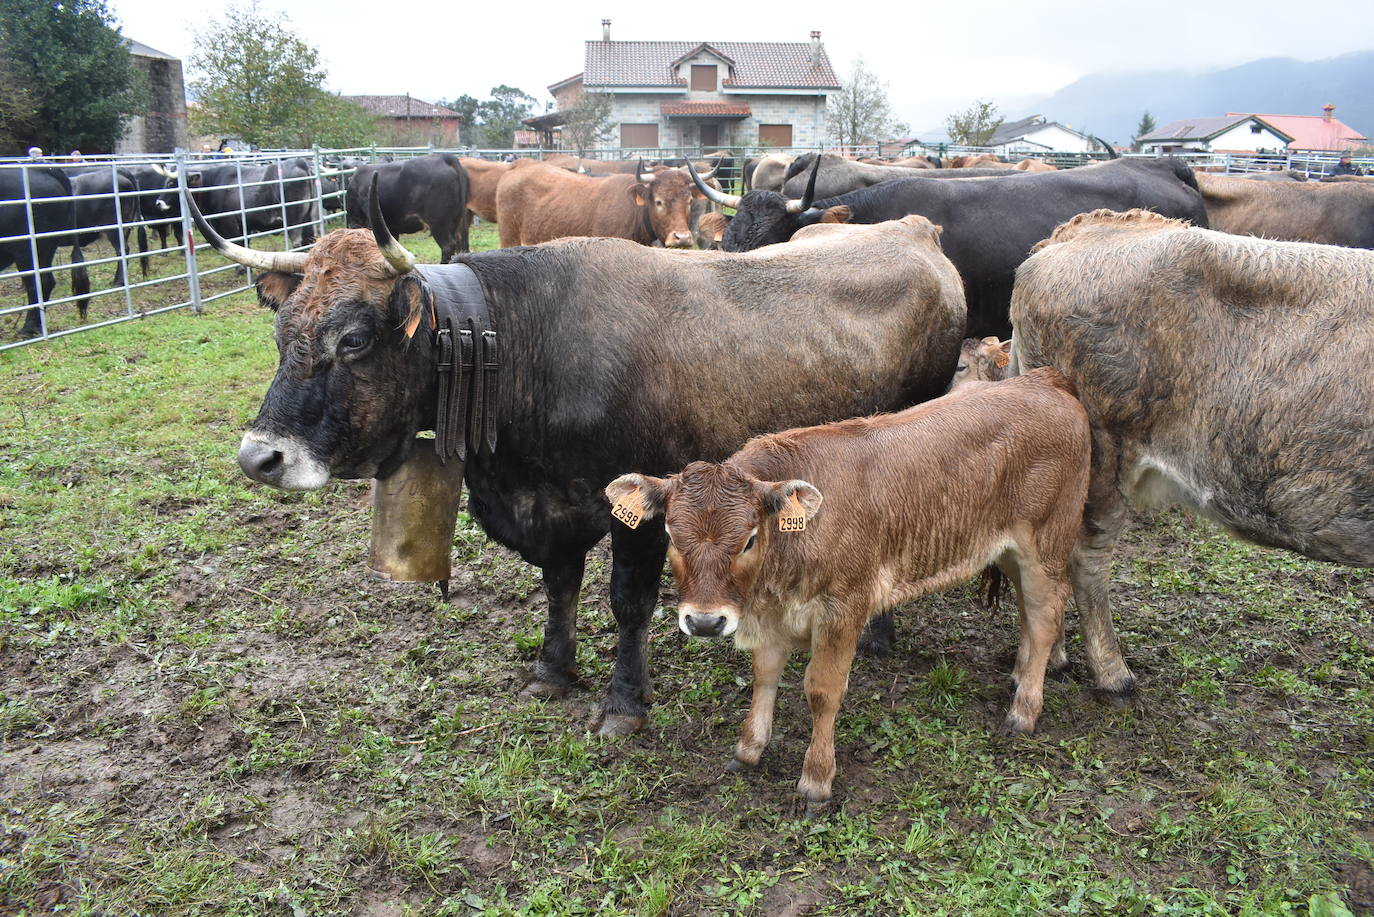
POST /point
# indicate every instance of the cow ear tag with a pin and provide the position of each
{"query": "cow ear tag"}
(1000, 359)
(629, 509)
(792, 518)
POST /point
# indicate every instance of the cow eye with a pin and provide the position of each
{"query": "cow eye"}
(962, 368)
(749, 545)
(355, 341)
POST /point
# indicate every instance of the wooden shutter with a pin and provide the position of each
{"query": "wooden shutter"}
(703, 77)
(775, 134)
(638, 135)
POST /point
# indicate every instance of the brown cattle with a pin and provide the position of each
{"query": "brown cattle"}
(982, 360)
(770, 171)
(1225, 374)
(755, 556)
(539, 202)
(976, 160)
(483, 178)
(1034, 165)
(1329, 214)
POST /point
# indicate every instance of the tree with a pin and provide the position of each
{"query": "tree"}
(501, 115)
(860, 112)
(68, 77)
(256, 79)
(1146, 125)
(975, 125)
(466, 106)
(336, 122)
(588, 123)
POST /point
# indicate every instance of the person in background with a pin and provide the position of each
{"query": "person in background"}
(35, 152)
(1345, 167)
(76, 156)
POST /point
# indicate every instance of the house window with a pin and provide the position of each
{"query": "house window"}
(775, 135)
(1255, 128)
(638, 135)
(703, 77)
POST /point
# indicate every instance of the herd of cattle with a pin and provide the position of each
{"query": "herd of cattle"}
(640, 390)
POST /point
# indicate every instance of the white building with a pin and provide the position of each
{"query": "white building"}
(1036, 135)
(1222, 134)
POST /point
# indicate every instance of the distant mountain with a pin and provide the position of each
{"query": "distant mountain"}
(1110, 104)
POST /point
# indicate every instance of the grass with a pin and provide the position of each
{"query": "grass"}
(206, 707)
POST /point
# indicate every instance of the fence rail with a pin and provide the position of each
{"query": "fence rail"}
(275, 199)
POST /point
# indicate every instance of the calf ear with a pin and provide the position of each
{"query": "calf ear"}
(275, 288)
(1001, 356)
(838, 214)
(636, 497)
(639, 193)
(777, 496)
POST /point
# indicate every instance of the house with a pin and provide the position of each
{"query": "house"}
(1036, 135)
(408, 121)
(701, 95)
(1232, 133)
(1324, 132)
(161, 127)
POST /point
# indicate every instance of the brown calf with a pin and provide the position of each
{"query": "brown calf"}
(753, 558)
(483, 178)
(982, 360)
(539, 202)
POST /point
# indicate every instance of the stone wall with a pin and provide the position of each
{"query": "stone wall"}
(806, 114)
(162, 128)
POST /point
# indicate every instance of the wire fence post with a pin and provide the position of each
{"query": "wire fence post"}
(319, 192)
(188, 233)
(38, 296)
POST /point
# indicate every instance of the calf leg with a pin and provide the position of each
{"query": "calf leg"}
(636, 567)
(1090, 569)
(827, 679)
(758, 725)
(556, 667)
(1042, 601)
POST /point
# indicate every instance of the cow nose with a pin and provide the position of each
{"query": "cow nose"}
(680, 240)
(705, 625)
(262, 463)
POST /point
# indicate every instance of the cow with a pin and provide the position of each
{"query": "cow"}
(1217, 374)
(984, 360)
(49, 192)
(1328, 214)
(427, 192)
(989, 225)
(483, 178)
(1283, 175)
(800, 538)
(838, 175)
(1034, 165)
(99, 211)
(768, 173)
(242, 199)
(605, 348)
(538, 202)
(159, 200)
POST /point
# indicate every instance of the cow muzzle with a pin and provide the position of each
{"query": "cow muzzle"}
(679, 240)
(281, 461)
(713, 622)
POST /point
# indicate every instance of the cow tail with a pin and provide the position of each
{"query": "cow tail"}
(81, 282)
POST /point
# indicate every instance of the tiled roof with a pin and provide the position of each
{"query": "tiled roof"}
(402, 107)
(1193, 128)
(739, 109)
(1314, 132)
(758, 64)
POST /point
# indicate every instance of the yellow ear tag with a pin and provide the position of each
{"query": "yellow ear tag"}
(629, 509)
(792, 518)
(1000, 359)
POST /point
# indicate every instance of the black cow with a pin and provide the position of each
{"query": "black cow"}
(838, 175)
(159, 200)
(94, 215)
(989, 225)
(49, 192)
(611, 354)
(426, 192)
(225, 189)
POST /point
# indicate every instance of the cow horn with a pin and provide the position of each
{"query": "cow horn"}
(281, 262)
(720, 161)
(720, 197)
(401, 261)
(804, 204)
(639, 171)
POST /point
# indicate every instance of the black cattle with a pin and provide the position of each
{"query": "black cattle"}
(426, 192)
(838, 175)
(610, 353)
(95, 215)
(158, 199)
(249, 196)
(49, 193)
(989, 226)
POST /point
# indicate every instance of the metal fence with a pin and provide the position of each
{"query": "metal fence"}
(277, 200)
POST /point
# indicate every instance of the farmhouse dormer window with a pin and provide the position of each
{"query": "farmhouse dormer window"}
(703, 77)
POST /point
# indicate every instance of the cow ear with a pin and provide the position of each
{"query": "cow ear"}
(639, 193)
(194, 179)
(275, 288)
(636, 497)
(410, 302)
(1001, 354)
(838, 214)
(777, 495)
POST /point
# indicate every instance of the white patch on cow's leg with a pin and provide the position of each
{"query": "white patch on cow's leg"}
(281, 461)
(827, 679)
(1090, 570)
(758, 725)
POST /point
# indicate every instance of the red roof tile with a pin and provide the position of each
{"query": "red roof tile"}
(402, 107)
(1314, 132)
(737, 109)
(757, 64)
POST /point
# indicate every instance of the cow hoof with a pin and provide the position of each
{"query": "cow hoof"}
(736, 766)
(1120, 698)
(1014, 727)
(545, 690)
(814, 808)
(618, 725)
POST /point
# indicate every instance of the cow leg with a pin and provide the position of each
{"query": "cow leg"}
(556, 667)
(769, 662)
(1042, 600)
(827, 679)
(112, 236)
(636, 567)
(1090, 569)
(878, 636)
(33, 325)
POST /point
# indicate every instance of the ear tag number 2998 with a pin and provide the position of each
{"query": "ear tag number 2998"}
(792, 518)
(629, 509)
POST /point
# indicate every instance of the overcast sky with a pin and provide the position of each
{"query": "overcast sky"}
(936, 57)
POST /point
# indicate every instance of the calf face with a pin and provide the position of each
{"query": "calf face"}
(983, 360)
(720, 522)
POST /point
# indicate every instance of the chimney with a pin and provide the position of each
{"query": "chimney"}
(1327, 109)
(605, 30)
(815, 47)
